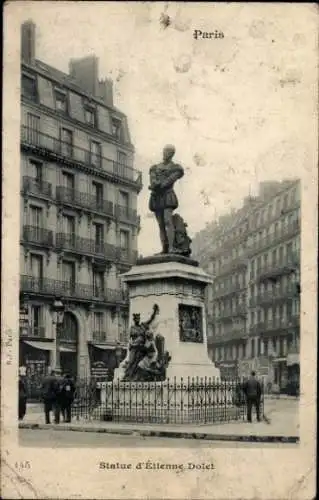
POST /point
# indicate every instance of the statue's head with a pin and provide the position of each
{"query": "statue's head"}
(168, 152)
(136, 318)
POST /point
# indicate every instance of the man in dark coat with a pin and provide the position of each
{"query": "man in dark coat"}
(252, 390)
(50, 388)
(22, 397)
(66, 397)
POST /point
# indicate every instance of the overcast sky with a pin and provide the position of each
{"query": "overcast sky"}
(238, 109)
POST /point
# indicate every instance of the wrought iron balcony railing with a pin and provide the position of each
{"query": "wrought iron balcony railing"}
(227, 290)
(66, 241)
(48, 144)
(72, 197)
(287, 231)
(99, 337)
(34, 186)
(33, 331)
(276, 295)
(35, 234)
(274, 325)
(273, 269)
(67, 289)
(125, 214)
(238, 263)
(235, 333)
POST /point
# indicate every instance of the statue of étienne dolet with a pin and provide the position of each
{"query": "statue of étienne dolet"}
(163, 201)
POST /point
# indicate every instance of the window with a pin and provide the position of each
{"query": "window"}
(95, 154)
(98, 283)
(36, 321)
(98, 322)
(278, 204)
(36, 266)
(274, 256)
(122, 158)
(124, 201)
(68, 272)
(98, 235)
(33, 129)
(29, 87)
(66, 142)
(69, 229)
(116, 128)
(61, 101)
(36, 216)
(68, 180)
(35, 171)
(97, 188)
(281, 254)
(89, 114)
(124, 241)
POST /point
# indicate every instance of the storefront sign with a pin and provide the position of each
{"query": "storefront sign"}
(24, 320)
(99, 370)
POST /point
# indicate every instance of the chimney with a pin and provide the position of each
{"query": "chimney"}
(106, 91)
(28, 42)
(84, 71)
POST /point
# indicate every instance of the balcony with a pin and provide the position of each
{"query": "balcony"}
(37, 235)
(66, 289)
(70, 242)
(35, 331)
(276, 295)
(270, 240)
(233, 265)
(68, 196)
(125, 214)
(38, 188)
(274, 269)
(234, 334)
(228, 290)
(274, 326)
(52, 147)
(99, 337)
(238, 311)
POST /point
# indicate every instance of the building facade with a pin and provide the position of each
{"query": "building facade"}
(253, 255)
(79, 221)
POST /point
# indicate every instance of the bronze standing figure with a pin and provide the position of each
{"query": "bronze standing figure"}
(163, 200)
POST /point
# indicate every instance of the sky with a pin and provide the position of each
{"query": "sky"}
(239, 110)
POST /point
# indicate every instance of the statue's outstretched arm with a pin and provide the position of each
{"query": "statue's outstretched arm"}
(154, 313)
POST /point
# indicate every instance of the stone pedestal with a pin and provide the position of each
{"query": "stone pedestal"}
(178, 286)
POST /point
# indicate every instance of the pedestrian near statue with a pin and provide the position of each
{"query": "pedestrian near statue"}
(253, 391)
(22, 397)
(66, 397)
(50, 388)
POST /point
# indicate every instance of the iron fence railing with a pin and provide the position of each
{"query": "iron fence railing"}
(175, 401)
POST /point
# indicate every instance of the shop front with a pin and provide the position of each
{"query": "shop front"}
(35, 356)
(280, 374)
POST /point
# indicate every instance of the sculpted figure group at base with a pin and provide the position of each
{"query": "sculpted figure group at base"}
(146, 359)
(163, 201)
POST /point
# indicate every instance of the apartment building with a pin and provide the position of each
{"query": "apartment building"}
(253, 255)
(273, 251)
(79, 221)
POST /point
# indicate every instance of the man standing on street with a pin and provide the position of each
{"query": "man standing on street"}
(66, 397)
(252, 389)
(49, 394)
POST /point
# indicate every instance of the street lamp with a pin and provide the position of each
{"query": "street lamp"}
(58, 316)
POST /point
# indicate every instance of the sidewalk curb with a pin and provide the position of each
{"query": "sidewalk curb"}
(163, 433)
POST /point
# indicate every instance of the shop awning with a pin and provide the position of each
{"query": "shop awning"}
(44, 346)
(63, 348)
(105, 347)
(279, 360)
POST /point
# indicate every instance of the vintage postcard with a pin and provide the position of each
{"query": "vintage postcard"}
(159, 243)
